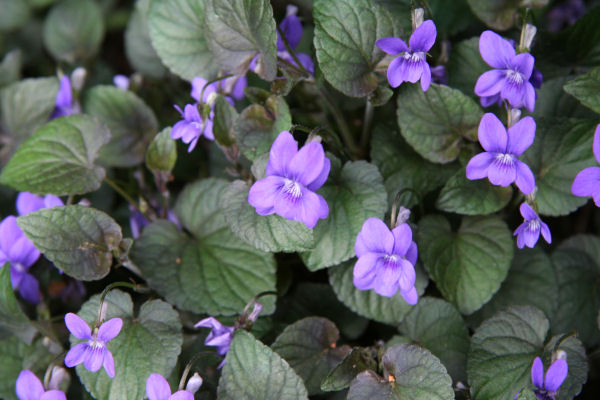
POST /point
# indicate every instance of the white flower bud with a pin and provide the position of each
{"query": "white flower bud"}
(210, 100)
(528, 35)
(103, 311)
(255, 312)
(194, 383)
(78, 78)
(417, 17)
(403, 216)
(514, 116)
(58, 375)
(530, 198)
(559, 355)
(291, 10)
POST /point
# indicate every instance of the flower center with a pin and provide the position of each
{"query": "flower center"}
(292, 189)
(19, 267)
(96, 344)
(505, 159)
(414, 57)
(515, 76)
(533, 225)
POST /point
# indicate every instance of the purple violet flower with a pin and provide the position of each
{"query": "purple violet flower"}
(565, 14)
(64, 104)
(528, 232)
(21, 254)
(411, 65)
(292, 31)
(192, 126)
(293, 177)
(29, 387)
(121, 81)
(157, 388)
(29, 202)
(220, 335)
(137, 221)
(536, 80)
(587, 181)
(439, 75)
(547, 386)
(510, 78)
(93, 353)
(386, 260)
(500, 161)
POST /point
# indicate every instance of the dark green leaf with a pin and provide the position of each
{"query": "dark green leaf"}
(224, 120)
(368, 303)
(149, 342)
(177, 32)
(14, 14)
(73, 30)
(467, 197)
(138, 45)
(255, 372)
(553, 101)
(439, 327)
(162, 152)
(347, 30)
(466, 65)
(12, 319)
(309, 345)
(79, 240)
(236, 30)
(212, 272)
(561, 149)
(436, 122)
(267, 233)
(359, 360)
(10, 67)
(65, 147)
(468, 266)
(501, 14)
(586, 89)
(577, 360)
(502, 351)
(526, 394)
(258, 126)
(451, 20)
(131, 122)
(353, 193)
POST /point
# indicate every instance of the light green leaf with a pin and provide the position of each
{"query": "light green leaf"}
(309, 345)
(502, 14)
(236, 30)
(359, 360)
(24, 107)
(267, 233)
(402, 168)
(472, 197)
(131, 122)
(162, 152)
(149, 342)
(410, 373)
(255, 372)
(577, 273)
(212, 272)
(65, 147)
(561, 149)
(73, 30)
(439, 327)
(468, 266)
(346, 30)
(502, 351)
(353, 193)
(577, 360)
(259, 125)
(79, 240)
(14, 14)
(389, 310)
(12, 319)
(436, 122)
(177, 32)
(138, 45)
(586, 89)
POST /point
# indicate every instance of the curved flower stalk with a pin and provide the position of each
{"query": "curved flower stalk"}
(386, 260)
(293, 177)
(410, 66)
(528, 232)
(292, 31)
(29, 387)
(587, 181)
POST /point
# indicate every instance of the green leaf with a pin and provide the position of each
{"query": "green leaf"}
(451, 20)
(65, 147)
(353, 193)
(14, 14)
(149, 342)
(10, 67)
(553, 101)
(17, 356)
(25, 106)
(411, 373)
(436, 122)
(162, 152)
(359, 360)
(467, 266)
(309, 345)
(73, 30)
(403, 169)
(79, 240)
(577, 360)
(466, 65)
(472, 197)
(561, 149)
(131, 122)
(501, 14)
(211, 272)
(586, 89)
(502, 351)
(138, 45)
(439, 327)
(253, 371)
(347, 30)
(267, 233)
(526, 394)
(12, 319)
(389, 310)
(236, 30)
(177, 32)
(223, 122)
(259, 125)
(531, 281)
(577, 273)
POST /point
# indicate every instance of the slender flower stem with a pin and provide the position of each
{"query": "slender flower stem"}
(126, 196)
(243, 321)
(217, 79)
(188, 367)
(292, 52)
(365, 137)
(130, 285)
(396, 205)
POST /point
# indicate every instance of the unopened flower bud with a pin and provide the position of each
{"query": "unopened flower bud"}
(103, 311)
(528, 35)
(194, 383)
(514, 115)
(212, 97)
(291, 10)
(57, 376)
(255, 312)
(403, 216)
(530, 198)
(417, 17)
(78, 78)
(314, 138)
(559, 355)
